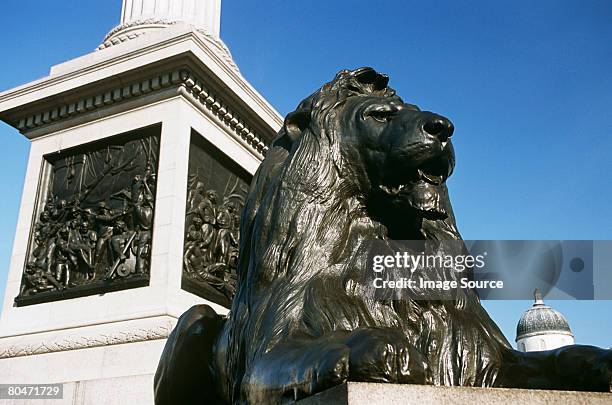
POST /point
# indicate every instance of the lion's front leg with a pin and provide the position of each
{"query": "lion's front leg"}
(295, 370)
(300, 368)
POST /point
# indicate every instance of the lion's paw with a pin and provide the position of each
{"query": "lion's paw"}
(385, 355)
(292, 372)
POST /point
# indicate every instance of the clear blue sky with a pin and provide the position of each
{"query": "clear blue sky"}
(528, 85)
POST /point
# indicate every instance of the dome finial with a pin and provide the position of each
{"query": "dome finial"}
(537, 295)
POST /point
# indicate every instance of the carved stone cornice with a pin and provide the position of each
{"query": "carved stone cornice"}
(86, 340)
(183, 79)
(213, 103)
(37, 105)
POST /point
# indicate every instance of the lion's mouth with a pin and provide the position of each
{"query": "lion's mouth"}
(434, 173)
(420, 187)
(419, 175)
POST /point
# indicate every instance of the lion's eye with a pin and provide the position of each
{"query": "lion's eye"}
(380, 113)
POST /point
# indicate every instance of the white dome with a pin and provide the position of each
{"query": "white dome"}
(542, 328)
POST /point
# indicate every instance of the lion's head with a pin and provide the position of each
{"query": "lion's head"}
(355, 139)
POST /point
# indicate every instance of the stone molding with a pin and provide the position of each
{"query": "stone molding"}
(221, 47)
(135, 29)
(181, 78)
(161, 330)
(107, 41)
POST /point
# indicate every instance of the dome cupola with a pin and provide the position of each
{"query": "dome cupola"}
(542, 328)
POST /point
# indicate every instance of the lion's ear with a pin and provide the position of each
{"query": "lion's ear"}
(367, 75)
(295, 123)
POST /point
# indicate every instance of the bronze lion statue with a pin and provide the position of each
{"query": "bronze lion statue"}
(352, 163)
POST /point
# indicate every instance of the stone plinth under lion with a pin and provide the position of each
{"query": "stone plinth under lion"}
(353, 163)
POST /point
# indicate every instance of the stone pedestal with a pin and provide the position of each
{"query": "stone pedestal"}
(180, 85)
(384, 394)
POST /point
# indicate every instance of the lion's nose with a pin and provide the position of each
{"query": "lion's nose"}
(439, 127)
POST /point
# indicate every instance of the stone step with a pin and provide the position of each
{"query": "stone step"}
(354, 393)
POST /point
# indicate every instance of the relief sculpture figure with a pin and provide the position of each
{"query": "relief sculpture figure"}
(207, 210)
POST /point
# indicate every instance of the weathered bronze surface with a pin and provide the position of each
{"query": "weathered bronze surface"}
(216, 194)
(92, 233)
(352, 163)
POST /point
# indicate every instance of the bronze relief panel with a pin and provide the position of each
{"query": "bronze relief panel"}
(92, 230)
(216, 192)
